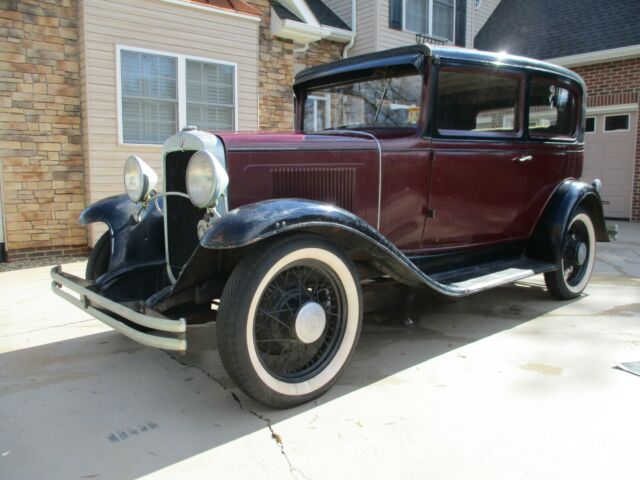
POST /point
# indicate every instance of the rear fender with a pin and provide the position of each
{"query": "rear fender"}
(545, 243)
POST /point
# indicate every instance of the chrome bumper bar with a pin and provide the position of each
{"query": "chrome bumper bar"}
(101, 307)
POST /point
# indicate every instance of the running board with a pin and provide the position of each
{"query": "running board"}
(482, 277)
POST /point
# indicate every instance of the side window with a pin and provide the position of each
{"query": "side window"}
(552, 110)
(477, 102)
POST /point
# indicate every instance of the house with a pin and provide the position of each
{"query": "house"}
(600, 41)
(86, 83)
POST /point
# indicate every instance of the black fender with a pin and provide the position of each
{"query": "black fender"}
(247, 225)
(137, 235)
(546, 240)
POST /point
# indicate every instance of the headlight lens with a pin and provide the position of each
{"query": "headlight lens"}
(139, 178)
(206, 179)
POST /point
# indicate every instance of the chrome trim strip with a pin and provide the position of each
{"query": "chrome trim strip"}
(89, 298)
(374, 138)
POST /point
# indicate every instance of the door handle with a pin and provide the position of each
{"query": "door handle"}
(526, 158)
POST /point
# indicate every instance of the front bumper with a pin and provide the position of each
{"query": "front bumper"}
(164, 332)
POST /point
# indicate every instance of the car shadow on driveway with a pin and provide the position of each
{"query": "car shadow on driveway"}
(101, 406)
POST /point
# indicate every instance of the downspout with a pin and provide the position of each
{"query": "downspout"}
(349, 46)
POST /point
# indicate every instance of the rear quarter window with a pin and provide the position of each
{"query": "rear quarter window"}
(478, 103)
(552, 110)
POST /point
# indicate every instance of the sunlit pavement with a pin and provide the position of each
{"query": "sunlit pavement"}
(507, 384)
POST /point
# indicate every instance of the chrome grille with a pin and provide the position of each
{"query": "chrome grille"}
(181, 216)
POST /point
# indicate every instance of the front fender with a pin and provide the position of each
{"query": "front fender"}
(545, 243)
(133, 241)
(115, 212)
(250, 224)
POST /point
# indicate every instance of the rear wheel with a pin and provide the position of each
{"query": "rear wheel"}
(98, 262)
(578, 258)
(289, 320)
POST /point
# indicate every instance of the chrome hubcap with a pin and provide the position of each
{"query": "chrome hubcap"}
(310, 322)
(581, 253)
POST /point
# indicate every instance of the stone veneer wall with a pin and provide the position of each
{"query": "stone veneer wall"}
(40, 128)
(616, 83)
(276, 63)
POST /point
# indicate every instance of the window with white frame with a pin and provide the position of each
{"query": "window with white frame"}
(161, 92)
(430, 17)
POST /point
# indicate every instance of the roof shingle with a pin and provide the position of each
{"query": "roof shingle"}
(556, 28)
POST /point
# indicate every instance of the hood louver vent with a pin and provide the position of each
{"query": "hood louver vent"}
(336, 186)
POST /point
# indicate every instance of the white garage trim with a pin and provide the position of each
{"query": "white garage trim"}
(627, 107)
(597, 57)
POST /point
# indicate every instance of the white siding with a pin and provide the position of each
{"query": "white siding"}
(342, 8)
(388, 37)
(477, 17)
(161, 26)
(366, 27)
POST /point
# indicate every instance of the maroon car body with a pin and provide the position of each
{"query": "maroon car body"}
(435, 167)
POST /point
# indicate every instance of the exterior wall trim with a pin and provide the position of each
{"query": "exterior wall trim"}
(627, 107)
(599, 56)
(213, 9)
(182, 92)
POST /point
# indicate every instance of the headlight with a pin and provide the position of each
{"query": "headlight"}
(139, 178)
(206, 179)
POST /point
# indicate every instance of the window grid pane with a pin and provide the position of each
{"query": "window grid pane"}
(149, 97)
(210, 95)
(417, 16)
(443, 19)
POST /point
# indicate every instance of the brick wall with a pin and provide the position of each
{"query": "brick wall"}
(277, 58)
(616, 83)
(40, 127)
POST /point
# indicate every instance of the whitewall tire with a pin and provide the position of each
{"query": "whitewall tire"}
(578, 258)
(289, 320)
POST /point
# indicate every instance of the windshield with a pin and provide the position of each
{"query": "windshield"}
(381, 102)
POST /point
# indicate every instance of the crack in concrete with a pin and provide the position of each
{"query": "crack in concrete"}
(276, 438)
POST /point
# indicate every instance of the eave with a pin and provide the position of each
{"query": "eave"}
(305, 33)
(599, 56)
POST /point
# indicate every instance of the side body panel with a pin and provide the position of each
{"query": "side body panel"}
(476, 193)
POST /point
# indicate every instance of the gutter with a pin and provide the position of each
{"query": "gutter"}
(349, 46)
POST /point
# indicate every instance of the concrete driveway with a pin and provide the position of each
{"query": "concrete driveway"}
(506, 384)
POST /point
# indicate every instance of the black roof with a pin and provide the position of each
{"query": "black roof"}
(558, 28)
(415, 55)
(284, 13)
(323, 14)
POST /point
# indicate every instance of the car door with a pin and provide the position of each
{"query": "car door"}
(555, 152)
(477, 175)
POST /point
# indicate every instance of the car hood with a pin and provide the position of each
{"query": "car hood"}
(274, 141)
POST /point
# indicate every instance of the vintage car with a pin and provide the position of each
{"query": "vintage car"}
(444, 168)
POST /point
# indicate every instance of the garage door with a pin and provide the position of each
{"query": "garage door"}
(610, 144)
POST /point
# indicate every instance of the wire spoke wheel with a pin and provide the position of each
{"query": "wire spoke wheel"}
(299, 321)
(289, 320)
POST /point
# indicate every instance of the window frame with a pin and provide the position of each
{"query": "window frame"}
(327, 102)
(474, 135)
(430, 30)
(604, 122)
(181, 86)
(567, 85)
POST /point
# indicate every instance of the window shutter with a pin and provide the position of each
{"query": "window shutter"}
(395, 14)
(461, 22)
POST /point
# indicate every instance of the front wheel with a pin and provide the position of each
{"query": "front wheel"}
(578, 257)
(289, 320)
